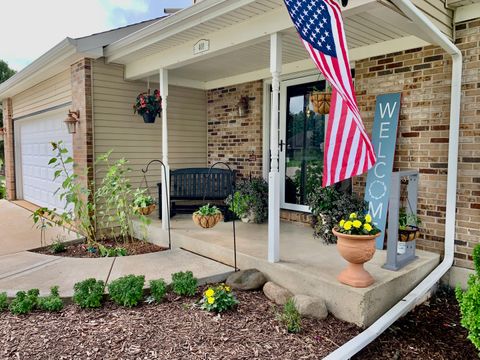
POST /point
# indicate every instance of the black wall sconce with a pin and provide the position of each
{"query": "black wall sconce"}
(72, 120)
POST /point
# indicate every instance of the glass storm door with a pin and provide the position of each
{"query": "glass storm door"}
(302, 133)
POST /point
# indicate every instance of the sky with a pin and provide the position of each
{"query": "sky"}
(30, 28)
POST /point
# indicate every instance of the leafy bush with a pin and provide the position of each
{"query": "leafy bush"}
(218, 299)
(111, 251)
(290, 317)
(184, 284)
(158, 289)
(3, 301)
(329, 206)
(52, 303)
(250, 200)
(57, 247)
(469, 302)
(24, 302)
(127, 290)
(88, 293)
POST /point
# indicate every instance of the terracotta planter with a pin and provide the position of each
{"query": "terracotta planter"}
(321, 102)
(147, 210)
(207, 221)
(357, 250)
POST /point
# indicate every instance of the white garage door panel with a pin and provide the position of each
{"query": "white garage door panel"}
(35, 152)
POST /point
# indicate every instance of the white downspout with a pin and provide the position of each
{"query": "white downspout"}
(415, 296)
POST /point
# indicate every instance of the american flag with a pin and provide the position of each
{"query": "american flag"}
(348, 149)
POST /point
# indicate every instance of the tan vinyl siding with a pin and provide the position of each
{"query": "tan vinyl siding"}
(117, 128)
(438, 14)
(49, 93)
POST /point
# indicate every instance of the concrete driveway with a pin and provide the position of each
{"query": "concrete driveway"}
(17, 232)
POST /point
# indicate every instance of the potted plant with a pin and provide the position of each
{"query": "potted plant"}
(356, 243)
(144, 204)
(149, 106)
(321, 101)
(239, 205)
(250, 201)
(207, 216)
(408, 226)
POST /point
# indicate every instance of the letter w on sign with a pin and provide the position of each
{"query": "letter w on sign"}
(348, 149)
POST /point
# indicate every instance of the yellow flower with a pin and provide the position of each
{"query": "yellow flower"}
(209, 293)
(357, 224)
(210, 300)
(368, 218)
(342, 223)
(367, 227)
(348, 225)
(353, 216)
(227, 288)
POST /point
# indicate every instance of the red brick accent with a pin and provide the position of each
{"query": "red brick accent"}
(9, 144)
(233, 139)
(81, 79)
(423, 132)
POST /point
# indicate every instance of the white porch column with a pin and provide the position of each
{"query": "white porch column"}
(274, 175)
(165, 182)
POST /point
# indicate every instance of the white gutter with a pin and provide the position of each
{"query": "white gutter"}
(417, 294)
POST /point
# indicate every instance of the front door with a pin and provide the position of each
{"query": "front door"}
(302, 133)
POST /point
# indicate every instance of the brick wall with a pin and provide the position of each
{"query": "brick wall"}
(423, 76)
(81, 79)
(9, 149)
(233, 139)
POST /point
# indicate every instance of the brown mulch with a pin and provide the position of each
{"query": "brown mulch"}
(81, 250)
(172, 330)
(177, 329)
(431, 331)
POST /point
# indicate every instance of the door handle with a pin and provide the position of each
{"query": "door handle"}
(281, 145)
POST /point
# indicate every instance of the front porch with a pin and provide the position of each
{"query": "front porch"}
(306, 265)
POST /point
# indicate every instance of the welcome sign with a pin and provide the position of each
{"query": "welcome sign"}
(384, 138)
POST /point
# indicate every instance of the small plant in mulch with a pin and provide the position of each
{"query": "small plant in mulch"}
(88, 294)
(105, 251)
(469, 302)
(218, 299)
(158, 290)
(184, 283)
(290, 317)
(127, 290)
(58, 246)
(24, 302)
(52, 303)
(3, 301)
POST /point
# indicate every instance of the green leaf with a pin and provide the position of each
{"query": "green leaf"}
(52, 161)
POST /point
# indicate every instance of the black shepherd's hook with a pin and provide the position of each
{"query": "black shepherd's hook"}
(233, 194)
(144, 171)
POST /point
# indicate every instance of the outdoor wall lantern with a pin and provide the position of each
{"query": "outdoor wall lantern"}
(72, 120)
(242, 106)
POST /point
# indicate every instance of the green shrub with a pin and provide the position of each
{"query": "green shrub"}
(184, 284)
(57, 247)
(88, 293)
(127, 290)
(52, 303)
(111, 251)
(3, 301)
(290, 317)
(158, 289)
(250, 200)
(24, 302)
(469, 302)
(218, 299)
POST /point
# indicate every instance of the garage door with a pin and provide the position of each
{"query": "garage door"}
(34, 151)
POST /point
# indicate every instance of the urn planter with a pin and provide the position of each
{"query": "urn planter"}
(356, 250)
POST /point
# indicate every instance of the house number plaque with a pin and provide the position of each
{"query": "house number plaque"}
(201, 46)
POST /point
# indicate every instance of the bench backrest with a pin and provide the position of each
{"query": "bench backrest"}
(199, 183)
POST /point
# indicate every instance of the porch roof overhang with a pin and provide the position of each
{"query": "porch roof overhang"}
(239, 37)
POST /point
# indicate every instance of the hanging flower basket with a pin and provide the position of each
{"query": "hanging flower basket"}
(147, 210)
(207, 216)
(409, 233)
(321, 102)
(148, 106)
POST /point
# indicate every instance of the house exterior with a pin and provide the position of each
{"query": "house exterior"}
(206, 57)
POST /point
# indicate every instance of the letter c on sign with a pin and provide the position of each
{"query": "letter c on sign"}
(376, 167)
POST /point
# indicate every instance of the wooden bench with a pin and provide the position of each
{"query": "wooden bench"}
(200, 185)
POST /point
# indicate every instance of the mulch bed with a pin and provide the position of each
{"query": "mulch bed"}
(172, 330)
(178, 330)
(431, 331)
(80, 250)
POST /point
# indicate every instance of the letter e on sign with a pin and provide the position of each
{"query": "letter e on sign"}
(201, 46)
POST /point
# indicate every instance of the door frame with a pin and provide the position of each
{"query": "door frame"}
(283, 130)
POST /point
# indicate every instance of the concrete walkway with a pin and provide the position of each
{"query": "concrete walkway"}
(24, 270)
